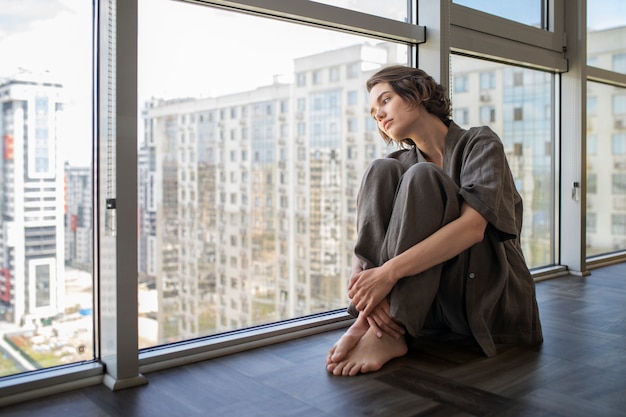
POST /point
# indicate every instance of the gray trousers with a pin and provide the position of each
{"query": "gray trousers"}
(399, 205)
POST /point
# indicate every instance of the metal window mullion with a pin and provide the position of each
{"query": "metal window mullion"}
(118, 157)
(573, 130)
(323, 15)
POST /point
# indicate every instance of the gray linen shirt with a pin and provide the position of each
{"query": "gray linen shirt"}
(501, 305)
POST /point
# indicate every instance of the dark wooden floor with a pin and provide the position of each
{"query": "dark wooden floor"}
(579, 371)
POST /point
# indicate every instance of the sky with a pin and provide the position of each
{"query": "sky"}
(49, 37)
(203, 45)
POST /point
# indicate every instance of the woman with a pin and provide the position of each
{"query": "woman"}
(439, 225)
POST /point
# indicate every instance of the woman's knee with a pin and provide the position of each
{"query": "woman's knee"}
(425, 170)
(427, 175)
(384, 169)
(386, 165)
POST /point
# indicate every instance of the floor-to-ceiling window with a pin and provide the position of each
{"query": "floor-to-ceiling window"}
(250, 159)
(517, 103)
(606, 129)
(46, 223)
(252, 133)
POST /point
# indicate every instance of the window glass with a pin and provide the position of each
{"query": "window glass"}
(237, 243)
(606, 170)
(606, 31)
(46, 222)
(528, 12)
(519, 113)
(393, 9)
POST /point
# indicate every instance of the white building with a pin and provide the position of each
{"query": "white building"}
(32, 244)
(247, 201)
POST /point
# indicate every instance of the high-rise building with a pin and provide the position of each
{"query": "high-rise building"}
(78, 217)
(248, 201)
(31, 213)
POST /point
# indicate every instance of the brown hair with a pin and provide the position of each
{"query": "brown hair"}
(416, 87)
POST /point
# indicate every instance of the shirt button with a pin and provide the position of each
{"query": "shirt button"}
(472, 275)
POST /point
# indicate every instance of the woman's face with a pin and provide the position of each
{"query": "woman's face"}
(394, 116)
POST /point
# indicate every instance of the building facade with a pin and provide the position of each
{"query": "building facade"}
(248, 206)
(78, 217)
(31, 248)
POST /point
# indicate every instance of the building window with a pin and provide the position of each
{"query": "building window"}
(352, 124)
(301, 79)
(487, 114)
(619, 63)
(352, 71)
(592, 223)
(317, 77)
(619, 183)
(592, 183)
(618, 141)
(487, 81)
(461, 116)
(352, 98)
(592, 106)
(618, 224)
(461, 84)
(301, 104)
(619, 104)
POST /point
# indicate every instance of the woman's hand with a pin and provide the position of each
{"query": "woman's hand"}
(369, 287)
(381, 321)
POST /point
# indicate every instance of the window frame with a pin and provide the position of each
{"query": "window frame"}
(470, 32)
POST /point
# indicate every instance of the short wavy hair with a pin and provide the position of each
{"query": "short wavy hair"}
(416, 87)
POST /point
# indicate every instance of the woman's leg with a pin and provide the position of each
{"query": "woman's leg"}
(374, 207)
(426, 200)
(375, 203)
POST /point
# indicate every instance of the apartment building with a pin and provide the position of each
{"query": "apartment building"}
(32, 217)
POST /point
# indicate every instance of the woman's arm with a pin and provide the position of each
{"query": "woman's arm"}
(369, 287)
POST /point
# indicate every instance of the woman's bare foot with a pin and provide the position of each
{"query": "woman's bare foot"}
(369, 354)
(345, 344)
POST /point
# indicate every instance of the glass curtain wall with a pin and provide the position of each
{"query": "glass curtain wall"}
(251, 145)
(251, 155)
(606, 130)
(46, 222)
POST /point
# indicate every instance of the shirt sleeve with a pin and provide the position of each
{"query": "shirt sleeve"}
(487, 185)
